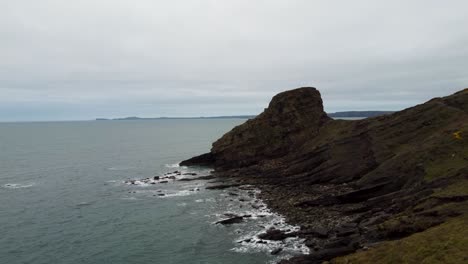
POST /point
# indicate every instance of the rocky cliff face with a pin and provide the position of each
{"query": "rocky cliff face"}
(289, 121)
(363, 181)
(291, 118)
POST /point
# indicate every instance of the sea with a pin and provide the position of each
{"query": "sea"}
(85, 192)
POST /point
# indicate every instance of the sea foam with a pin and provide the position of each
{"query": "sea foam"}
(18, 185)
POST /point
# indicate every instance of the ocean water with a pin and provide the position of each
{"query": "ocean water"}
(64, 197)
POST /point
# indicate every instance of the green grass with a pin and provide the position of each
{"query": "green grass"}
(451, 156)
(446, 243)
(459, 188)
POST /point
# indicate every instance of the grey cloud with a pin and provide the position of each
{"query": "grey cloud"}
(83, 59)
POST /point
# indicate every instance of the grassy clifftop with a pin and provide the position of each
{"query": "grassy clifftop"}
(446, 243)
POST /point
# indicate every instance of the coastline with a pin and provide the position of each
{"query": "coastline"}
(351, 185)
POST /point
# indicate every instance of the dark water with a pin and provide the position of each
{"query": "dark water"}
(64, 200)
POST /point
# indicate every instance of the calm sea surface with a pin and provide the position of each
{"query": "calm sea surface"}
(63, 198)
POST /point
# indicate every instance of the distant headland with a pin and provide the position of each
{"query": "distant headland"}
(344, 114)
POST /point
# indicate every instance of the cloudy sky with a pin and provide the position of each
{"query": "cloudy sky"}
(67, 60)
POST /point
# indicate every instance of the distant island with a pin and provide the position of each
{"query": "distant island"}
(333, 115)
(158, 118)
(359, 113)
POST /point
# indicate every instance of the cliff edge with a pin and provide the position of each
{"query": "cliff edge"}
(359, 182)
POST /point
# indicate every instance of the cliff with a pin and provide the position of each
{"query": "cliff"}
(360, 182)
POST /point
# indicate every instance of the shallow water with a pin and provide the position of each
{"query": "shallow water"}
(64, 199)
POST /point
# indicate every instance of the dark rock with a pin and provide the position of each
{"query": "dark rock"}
(189, 173)
(282, 122)
(156, 178)
(163, 181)
(230, 215)
(320, 232)
(309, 243)
(161, 194)
(256, 206)
(276, 251)
(221, 186)
(339, 242)
(232, 220)
(208, 177)
(275, 234)
(206, 159)
(346, 231)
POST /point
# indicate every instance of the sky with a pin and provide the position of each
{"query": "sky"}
(79, 60)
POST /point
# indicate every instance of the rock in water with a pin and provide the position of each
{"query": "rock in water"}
(275, 234)
(202, 160)
(276, 251)
(232, 220)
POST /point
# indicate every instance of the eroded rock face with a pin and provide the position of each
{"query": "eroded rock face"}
(291, 118)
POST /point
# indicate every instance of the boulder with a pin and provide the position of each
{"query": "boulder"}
(231, 220)
(275, 234)
(276, 251)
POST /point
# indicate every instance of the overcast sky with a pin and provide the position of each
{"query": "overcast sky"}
(82, 59)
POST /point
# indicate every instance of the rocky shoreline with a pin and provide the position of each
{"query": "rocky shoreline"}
(268, 231)
(353, 185)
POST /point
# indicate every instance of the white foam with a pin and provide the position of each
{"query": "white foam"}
(175, 165)
(18, 185)
(148, 182)
(120, 168)
(179, 193)
(261, 216)
(129, 198)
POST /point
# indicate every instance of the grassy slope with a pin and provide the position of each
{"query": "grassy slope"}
(441, 220)
(445, 243)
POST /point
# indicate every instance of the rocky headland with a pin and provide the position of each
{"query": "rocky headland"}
(387, 189)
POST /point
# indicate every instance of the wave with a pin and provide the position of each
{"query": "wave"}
(18, 185)
(121, 168)
(129, 198)
(179, 193)
(175, 165)
(260, 219)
